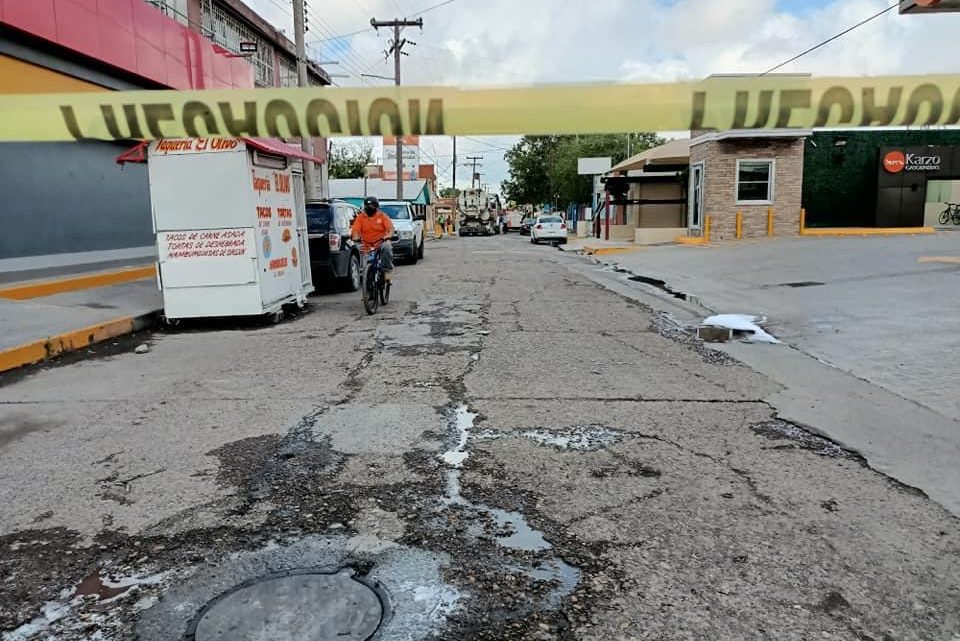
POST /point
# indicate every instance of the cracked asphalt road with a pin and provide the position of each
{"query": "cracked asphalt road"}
(507, 451)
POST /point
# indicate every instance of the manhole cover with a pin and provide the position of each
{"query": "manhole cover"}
(298, 606)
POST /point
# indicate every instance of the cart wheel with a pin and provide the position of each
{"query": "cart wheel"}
(276, 317)
(170, 322)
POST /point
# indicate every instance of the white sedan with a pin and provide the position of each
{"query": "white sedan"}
(550, 229)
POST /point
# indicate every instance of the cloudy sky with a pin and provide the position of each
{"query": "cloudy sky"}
(474, 42)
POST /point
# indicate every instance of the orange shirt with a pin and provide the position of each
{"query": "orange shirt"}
(372, 229)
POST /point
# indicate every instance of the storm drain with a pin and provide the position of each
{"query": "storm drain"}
(296, 605)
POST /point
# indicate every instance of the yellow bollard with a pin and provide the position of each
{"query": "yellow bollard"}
(739, 225)
(706, 229)
(769, 221)
(803, 220)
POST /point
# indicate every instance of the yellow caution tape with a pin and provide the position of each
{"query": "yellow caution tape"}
(716, 103)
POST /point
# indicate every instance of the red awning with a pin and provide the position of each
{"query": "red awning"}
(267, 145)
(280, 148)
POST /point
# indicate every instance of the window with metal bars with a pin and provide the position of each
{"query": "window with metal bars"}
(176, 9)
(288, 72)
(229, 32)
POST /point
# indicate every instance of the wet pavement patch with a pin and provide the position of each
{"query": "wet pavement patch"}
(579, 437)
(296, 605)
(662, 285)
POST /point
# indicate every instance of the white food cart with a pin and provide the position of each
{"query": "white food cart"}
(231, 226)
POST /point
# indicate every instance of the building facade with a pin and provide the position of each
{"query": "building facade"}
(880, 177)
(752, 173)
(69, 205)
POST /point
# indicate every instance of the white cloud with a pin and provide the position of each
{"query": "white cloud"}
(535, 41)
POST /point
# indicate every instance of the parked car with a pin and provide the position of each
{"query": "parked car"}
(409, 227)
(526, 224)
(333, 256)
(549, 229)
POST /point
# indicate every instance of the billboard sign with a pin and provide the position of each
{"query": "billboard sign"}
(411, 157)
(594, 166)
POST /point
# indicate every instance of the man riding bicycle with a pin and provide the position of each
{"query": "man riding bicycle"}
(374, 229)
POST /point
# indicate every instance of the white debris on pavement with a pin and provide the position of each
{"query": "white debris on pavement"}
(463, 422)
(52, 612)
(582, 437)
(742, 323)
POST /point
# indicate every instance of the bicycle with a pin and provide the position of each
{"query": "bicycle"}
(376, 288)
(951, 214)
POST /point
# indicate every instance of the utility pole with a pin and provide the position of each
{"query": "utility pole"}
(396, 48)
(306, 142)
(454, 163)
(474, 160)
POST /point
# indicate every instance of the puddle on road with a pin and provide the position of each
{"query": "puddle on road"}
(512, 530)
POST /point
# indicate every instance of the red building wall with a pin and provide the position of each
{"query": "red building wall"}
(133, 36)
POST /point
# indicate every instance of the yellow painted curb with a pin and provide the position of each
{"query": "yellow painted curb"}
(950, 260)
(867, 231)
(690, 240)
(50, 287)
(67, 342)
(601, 251)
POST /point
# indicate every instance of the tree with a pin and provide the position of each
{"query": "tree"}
(528, 181)
(543, 169)
(449, 192)
(350, 161)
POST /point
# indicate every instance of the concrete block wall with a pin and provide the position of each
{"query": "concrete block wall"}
(720, 179)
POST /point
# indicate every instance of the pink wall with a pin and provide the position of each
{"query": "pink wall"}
(131, 35)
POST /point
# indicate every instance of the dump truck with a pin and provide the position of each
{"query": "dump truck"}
(477, 213)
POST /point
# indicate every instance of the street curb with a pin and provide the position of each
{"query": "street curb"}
(866, 231)
(37, 289)
(73, 340)
(603, 251)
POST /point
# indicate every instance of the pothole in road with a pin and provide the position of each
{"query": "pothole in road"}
(801, 438)
(294, 605)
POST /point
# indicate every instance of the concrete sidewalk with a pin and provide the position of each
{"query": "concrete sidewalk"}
(36, 328)
(873, 324)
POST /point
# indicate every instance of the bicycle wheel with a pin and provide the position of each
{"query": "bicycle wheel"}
(945, 216)
(956, 215)
(371, 299)
(385, 293)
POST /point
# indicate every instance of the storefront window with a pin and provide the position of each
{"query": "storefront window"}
(754, 181)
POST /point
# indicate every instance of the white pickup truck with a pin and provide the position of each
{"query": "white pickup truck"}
(409, 226)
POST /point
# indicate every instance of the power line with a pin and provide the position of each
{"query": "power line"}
(436, 6)
(831, 39)
(342, 36)
(484, 142)
(367, 30)
(351, 61)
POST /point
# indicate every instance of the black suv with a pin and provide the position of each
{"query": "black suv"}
(333, 256)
